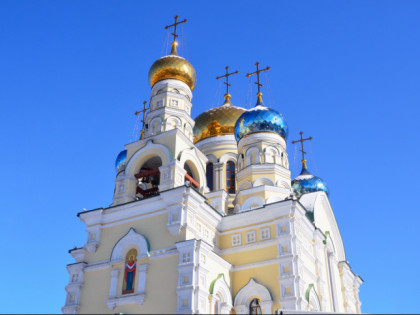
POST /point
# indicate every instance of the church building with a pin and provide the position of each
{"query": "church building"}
(206, 217)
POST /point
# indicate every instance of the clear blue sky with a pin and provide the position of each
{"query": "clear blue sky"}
(72, 73)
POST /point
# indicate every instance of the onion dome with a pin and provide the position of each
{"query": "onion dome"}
(121, 161)
(217, 121)
(173, 67)
(307, 183)
(260, 119)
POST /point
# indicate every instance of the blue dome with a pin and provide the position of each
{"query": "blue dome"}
(307, 183)
(121, 161)
(260, 119)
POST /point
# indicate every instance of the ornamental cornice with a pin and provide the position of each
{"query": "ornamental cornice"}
(269, 212)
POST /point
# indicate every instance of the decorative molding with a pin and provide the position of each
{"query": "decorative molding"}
(251, 290)
(132, 238)
(135, 298)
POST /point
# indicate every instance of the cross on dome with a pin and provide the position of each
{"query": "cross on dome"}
(174, 43)
(144, 113)
(259, 94)
(301, 140)
(227, 95)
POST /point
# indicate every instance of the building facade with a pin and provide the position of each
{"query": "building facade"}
(206, 218)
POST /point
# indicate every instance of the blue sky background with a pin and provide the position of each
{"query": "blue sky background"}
(72, 73)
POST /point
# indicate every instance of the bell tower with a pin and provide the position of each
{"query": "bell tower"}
(164, 157)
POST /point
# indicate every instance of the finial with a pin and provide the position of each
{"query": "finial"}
(143, 121)
(227, 95)
(259, 94)
(174, 43)
(173, 49)
(301, 140)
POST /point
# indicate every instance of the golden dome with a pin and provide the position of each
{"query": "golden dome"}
(173, 67)
(217, 121)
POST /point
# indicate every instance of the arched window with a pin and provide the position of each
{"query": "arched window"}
(230, 177)
(130, 272)
(254, 307)
(209, 176)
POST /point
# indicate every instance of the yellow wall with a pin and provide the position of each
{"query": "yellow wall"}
(153, 228)
(161, 282)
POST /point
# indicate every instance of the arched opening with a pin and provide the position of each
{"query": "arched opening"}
(230, 177)
(130, 272)
(209, 176)
(254, 307)
(149, 178)
(190, 175)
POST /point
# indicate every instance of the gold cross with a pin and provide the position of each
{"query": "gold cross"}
(258, 76)
(144, 113)
(227, 95)
(174, 25)
(301, 150)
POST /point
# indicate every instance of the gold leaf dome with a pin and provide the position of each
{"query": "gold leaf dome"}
(173, 67)
(217, 121)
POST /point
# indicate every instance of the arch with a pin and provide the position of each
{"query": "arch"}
(228, 157)
(149, 150)
(155, 126)
(172, 122)
(250, 291)
(220, 293)
(283, 184)
(270, 154)
(252, 203)
(212, 158)
(245, 185)
(131, 239)
(252, 156)
(190, 156)
(263, 181)
(312, 299)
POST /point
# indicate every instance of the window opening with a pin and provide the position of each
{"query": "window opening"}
(209, 176)
(230, 177)
(189, 176)
(149, 178)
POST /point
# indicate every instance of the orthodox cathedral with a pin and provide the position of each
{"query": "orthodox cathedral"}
(206, 217)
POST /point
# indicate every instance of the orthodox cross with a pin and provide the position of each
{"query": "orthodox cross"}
(302, 150)
(258, 76)
(174, 25)
(227, 95)
(144, 113)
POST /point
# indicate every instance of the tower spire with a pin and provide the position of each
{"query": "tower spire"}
(174, 43)
(259, 94)
(227, 95)
(301, 140)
